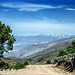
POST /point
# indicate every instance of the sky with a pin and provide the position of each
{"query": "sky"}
(31, 17)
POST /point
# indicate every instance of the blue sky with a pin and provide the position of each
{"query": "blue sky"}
(30, 17)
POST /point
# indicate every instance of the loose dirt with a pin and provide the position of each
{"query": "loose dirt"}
(37, 70)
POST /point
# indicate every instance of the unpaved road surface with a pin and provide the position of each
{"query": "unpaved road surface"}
(36, 70)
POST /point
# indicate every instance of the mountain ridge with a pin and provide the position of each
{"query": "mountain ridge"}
(25, 41)
(33, 49)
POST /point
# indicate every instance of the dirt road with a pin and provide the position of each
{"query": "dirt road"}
(36, 70)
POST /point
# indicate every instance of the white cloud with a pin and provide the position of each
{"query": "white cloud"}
(29, 6)
(42, 27)
(70, 9)
(17, 44)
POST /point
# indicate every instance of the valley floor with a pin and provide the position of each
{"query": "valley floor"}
(36, 70)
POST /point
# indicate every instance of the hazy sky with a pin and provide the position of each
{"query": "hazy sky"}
(27, 17)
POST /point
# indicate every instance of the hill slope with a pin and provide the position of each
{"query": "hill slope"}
(25, 41)
(40, 49)
(51, 52)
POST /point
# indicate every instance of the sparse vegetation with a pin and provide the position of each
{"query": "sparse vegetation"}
(19, 66)
(67, 58)
(7, 63)
(4, 65)
(63, 52)
(48, 62)
(69, 50)
(25, 63)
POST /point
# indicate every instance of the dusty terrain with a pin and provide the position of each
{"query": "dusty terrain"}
(36, 70)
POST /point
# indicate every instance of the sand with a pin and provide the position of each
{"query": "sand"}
(36, 70)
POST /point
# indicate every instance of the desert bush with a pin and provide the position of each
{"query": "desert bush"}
(25, 63)
(72, 51)
(69, 50)
(1, 56)
(19, 66)
(62, 52)
(40, 59)
(4, 65)
(73, 43)
(48, 62)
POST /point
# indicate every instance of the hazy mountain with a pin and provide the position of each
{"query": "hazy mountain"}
(25, 41)
(57, 45)
(41, 49)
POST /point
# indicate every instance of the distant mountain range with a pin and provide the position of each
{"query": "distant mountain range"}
(52, 51)
(25, 41)
(40, 49)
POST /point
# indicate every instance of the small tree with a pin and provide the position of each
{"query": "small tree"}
(6, 38)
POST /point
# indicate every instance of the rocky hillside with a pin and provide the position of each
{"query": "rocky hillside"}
(40, 49)
(50, 53)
